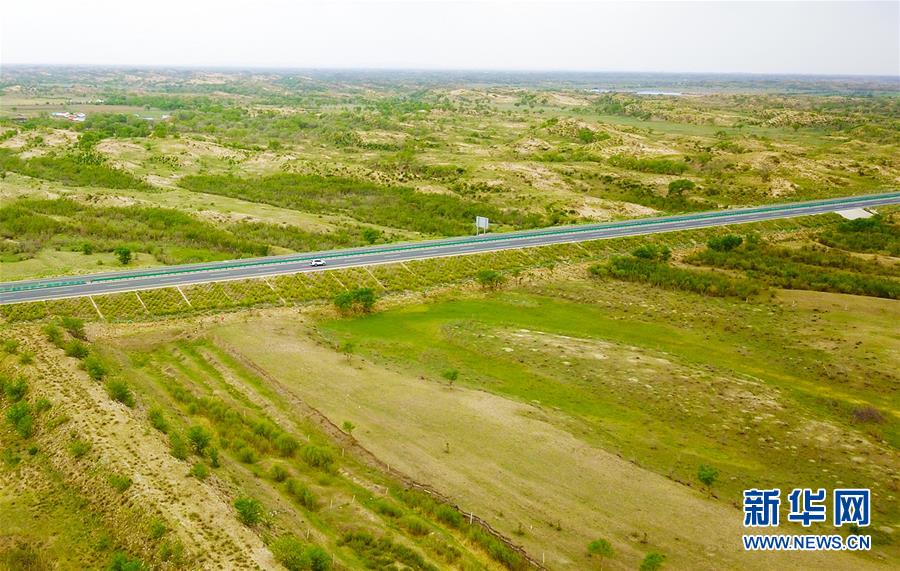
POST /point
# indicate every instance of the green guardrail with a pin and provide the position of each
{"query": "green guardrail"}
(460, 241)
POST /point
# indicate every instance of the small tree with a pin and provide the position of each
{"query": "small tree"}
(124, 255)
(348, 427)
(347, 348)
(370, 235)
(678, 187)
(652, 561)
(600, 548)
(489, 279)
(451, 375)
(707, 476)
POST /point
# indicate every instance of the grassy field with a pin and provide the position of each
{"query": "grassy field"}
(495, 411)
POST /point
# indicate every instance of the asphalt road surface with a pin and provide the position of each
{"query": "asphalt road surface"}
(168, 276)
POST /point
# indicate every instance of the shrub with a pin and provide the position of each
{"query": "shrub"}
(489, 279)
(360, 300)
(199, 438)
(279, 472)
(679, 186)
(448, 515)
(451, 375)
(246, 454)
(19, 416)
(286, 445)
(119, 390)
(289, 551)
(94, 367)
(121, 562)
(119, 483)
(317, 457)
(707, 475)
(600, 548)
(213, 454)
(78, 448)
(76, 349)
(157, 529)
(157, 420)
(199, 471)
(15, 390)
(74, 326)
(123, 254)
(249, 511)
(177, 445)
(414, 525)
(26, 357)
(652, 561)
(302, 494)
(11, 346)
(724, 243)
(54, 334)
(652, 252)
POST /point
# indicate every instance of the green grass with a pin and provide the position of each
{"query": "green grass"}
(668, 428)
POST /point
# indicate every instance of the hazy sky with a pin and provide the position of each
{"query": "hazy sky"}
(754, 37)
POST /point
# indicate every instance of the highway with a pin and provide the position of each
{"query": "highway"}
(168, 276)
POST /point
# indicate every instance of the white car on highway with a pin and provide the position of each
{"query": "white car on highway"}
(317, 263)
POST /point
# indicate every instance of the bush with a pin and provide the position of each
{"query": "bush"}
(199, 438)
(199, 471)
(119, 483)
(707, 475)
(94, 367)
(414, 525)
(54, 334)
(652, 252)
(19, 416)
(286, 445)
(15, 390)
(76, 349)
(249, 511)
(78, 448)
(121, 562)
(291, 553)
(489, 279)
(448, 515)
(157, 420)
(119, 390)
(679, 186)
(600, 548)
(177, 445)
(11, 346)
(652, 561)
(26, 357)
(74, 326)
(724, 243)
(360, 300)
(317, 457)
(279, 472)
(302, 494)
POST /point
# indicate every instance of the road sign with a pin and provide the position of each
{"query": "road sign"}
(481, 223)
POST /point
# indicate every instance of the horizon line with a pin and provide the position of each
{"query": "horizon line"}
(265, 67)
